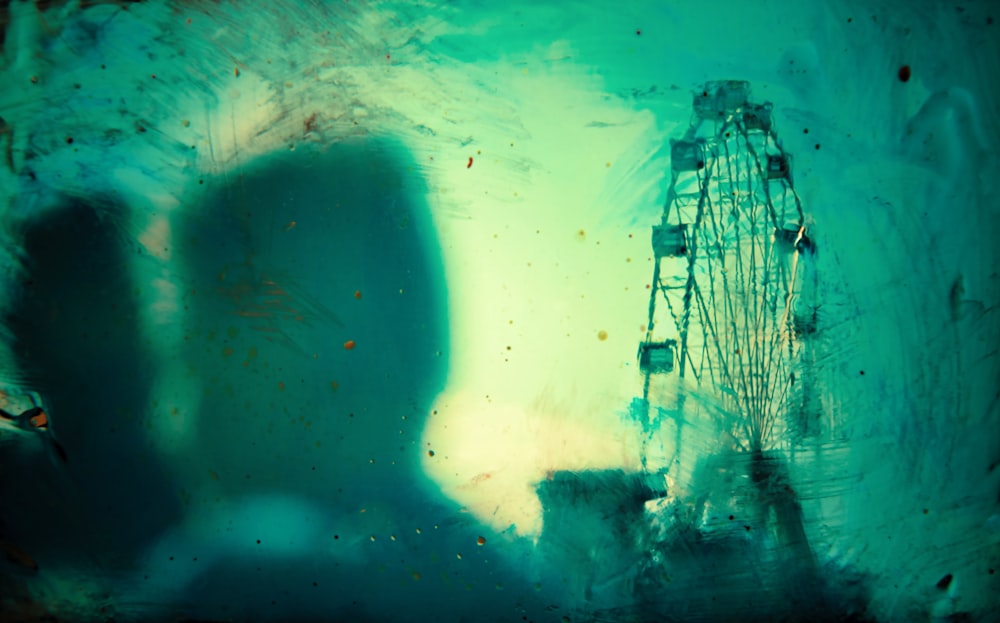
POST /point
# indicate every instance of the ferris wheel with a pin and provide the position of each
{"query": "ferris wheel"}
(725, 316)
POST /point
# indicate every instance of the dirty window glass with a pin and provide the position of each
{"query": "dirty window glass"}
(348, 311)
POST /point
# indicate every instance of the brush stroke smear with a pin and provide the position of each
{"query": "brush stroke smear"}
(193, 192)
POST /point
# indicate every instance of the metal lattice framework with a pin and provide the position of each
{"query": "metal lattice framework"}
(725, 279)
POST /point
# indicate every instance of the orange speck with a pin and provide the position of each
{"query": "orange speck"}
(213, 475)
(481, 541)
(469, 166)
(333, 385)
(40, 420)
(357, 294)
(416, 575)
(602, 335)
(290, 225)
(236, 71)
(281, 386)
(349, 345)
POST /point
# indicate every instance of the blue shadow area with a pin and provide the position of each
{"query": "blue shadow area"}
(315, 321)
(77, 340)
(307, 313)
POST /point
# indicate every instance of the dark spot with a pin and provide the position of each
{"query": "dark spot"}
(992, 571)
(926, 511)
(638, 32)
(944, 582)
(336, 537)
(69, 140)
(731, 518)
(700, 164)
(904, 73)
(817, 145)
(805, 130)
(258, 541)
(862, 373)
(310, 122)
(315, 584)
(430, 453)
(989, 20)
(103, 66)
(850, 19)
(747, 528)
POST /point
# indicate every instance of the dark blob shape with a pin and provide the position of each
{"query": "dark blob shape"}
(944, 582)
(277, 295)
(282, 348)
(78, 342)
(4, 21)
(904, 73)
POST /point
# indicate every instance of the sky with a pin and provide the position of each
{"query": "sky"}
(308, 269)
